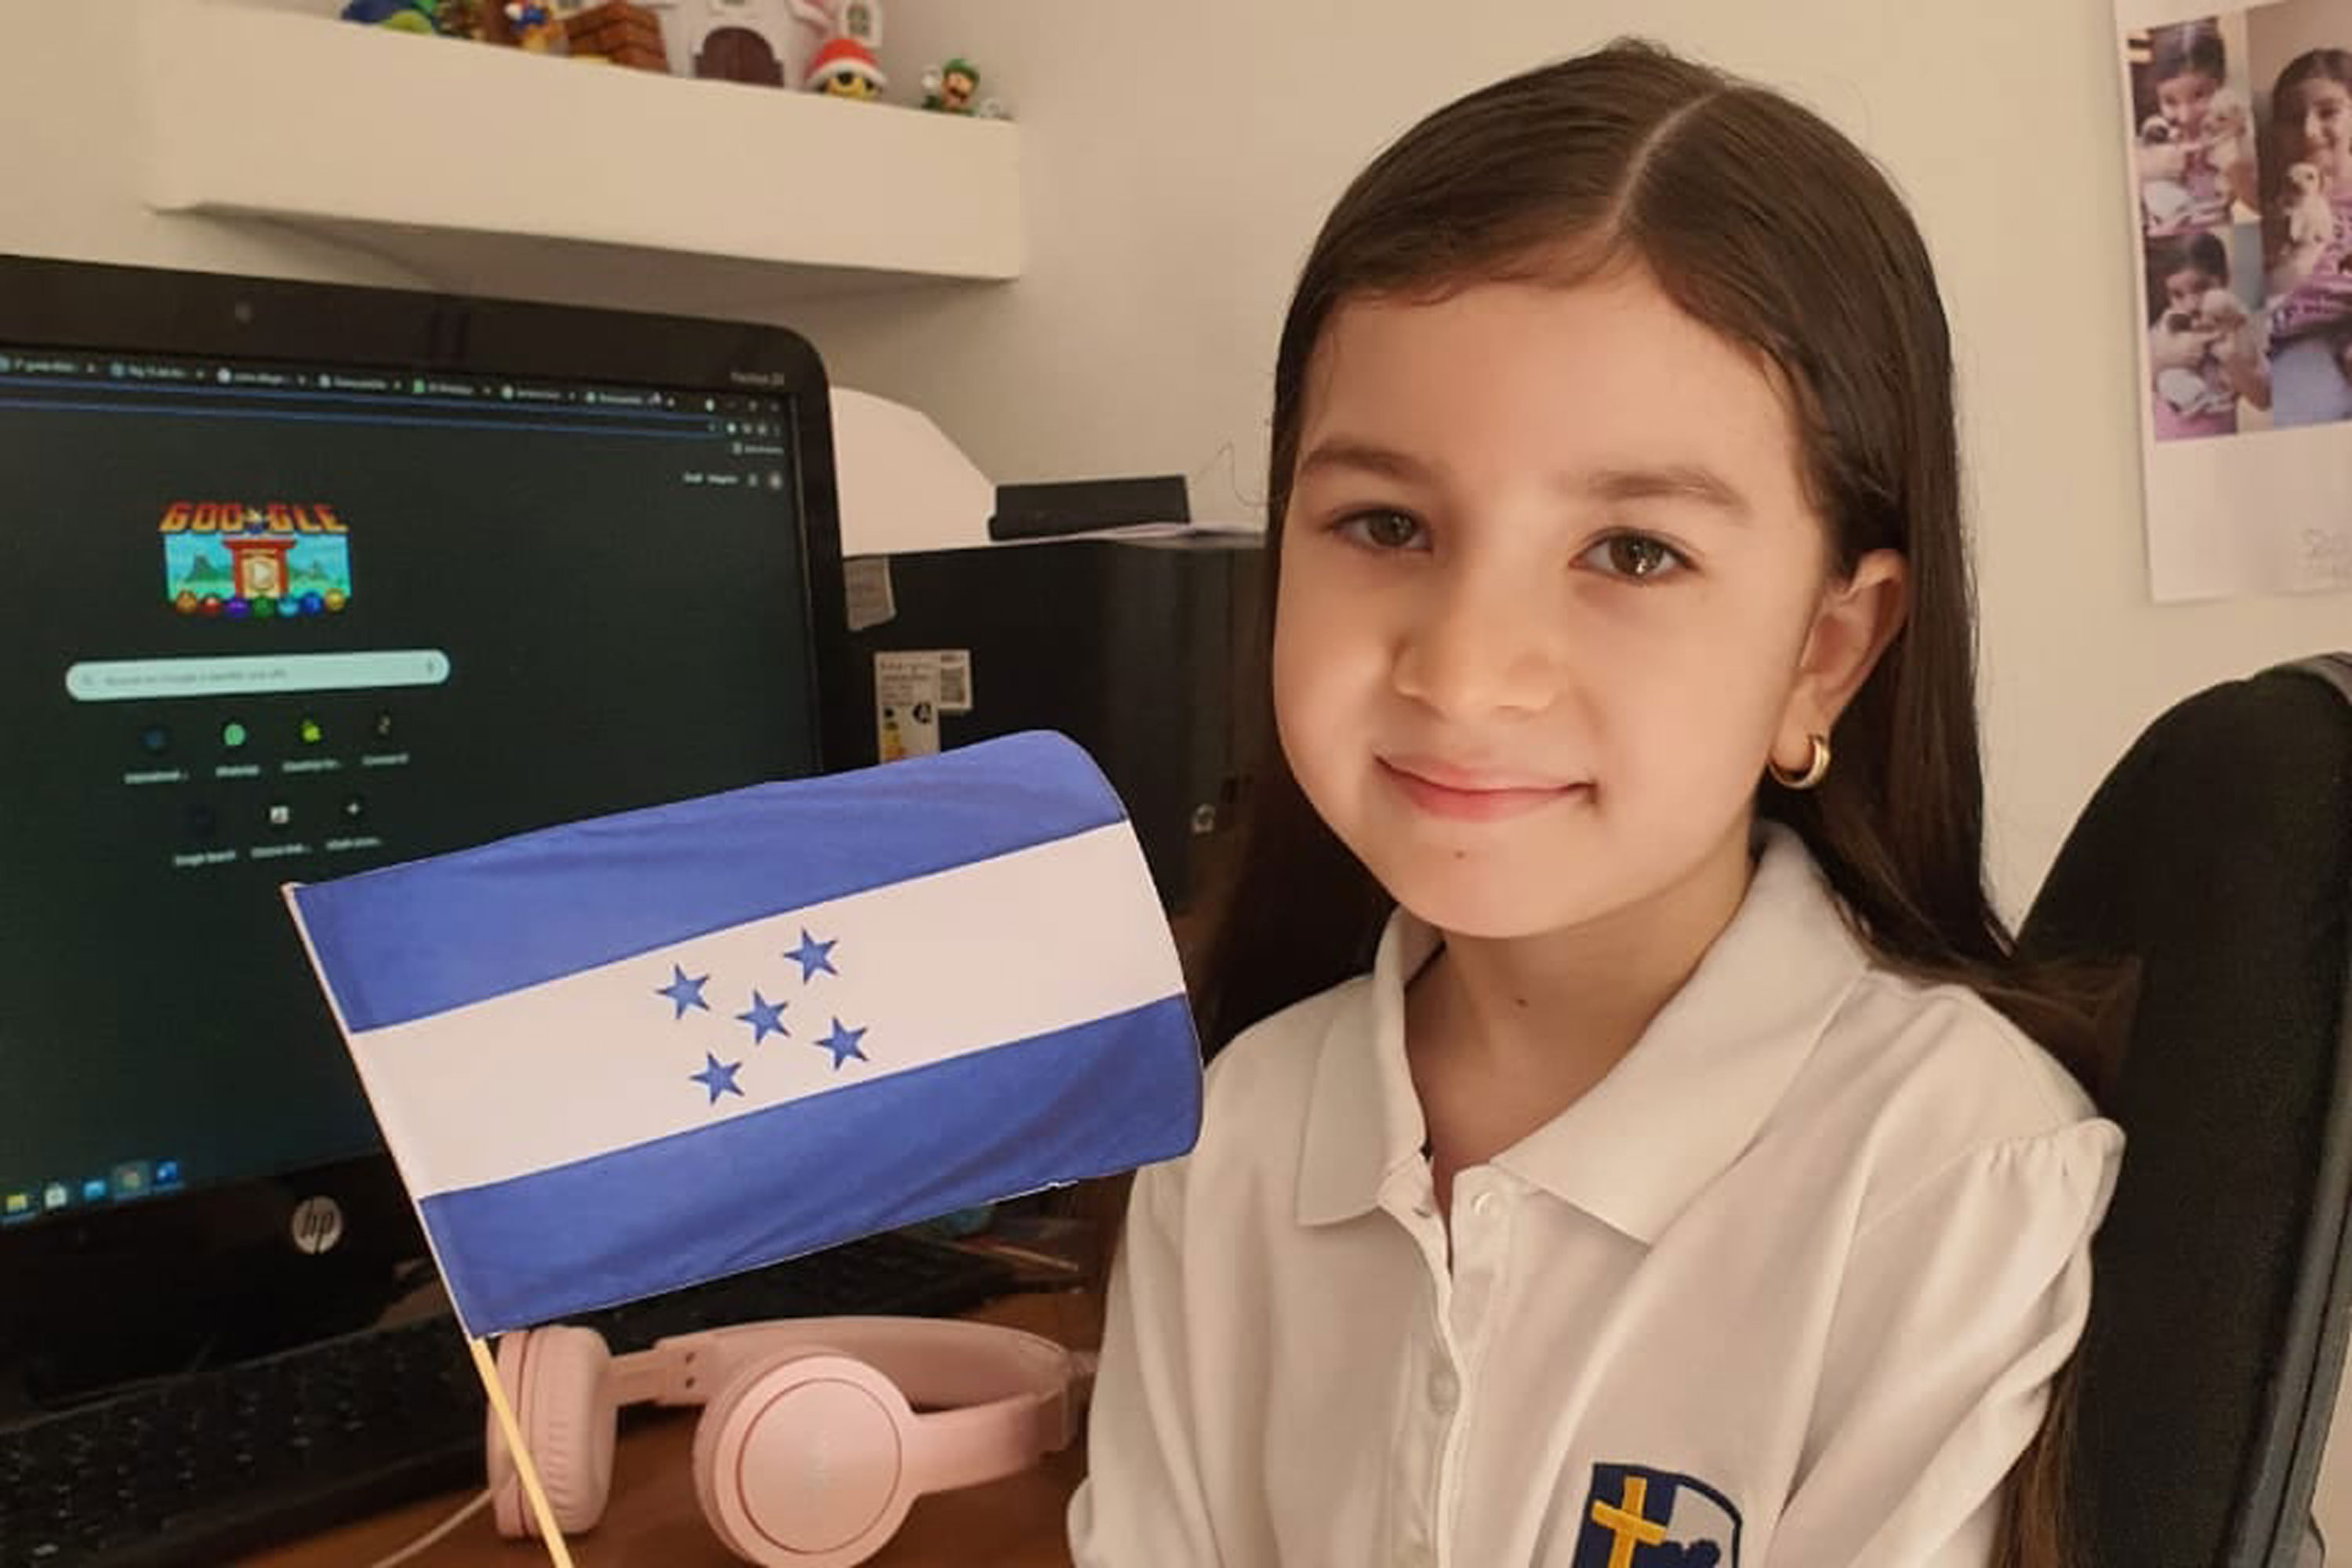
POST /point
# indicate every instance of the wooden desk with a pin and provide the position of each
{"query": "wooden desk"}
(653, 1517)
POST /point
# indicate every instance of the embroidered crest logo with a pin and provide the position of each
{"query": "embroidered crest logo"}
(1635, 1517)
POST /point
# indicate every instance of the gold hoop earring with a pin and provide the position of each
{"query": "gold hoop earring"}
(1815, 771)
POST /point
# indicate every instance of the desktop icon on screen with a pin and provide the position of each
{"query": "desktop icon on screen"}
(93, 1191)
(56, 1195)
(16, 1206)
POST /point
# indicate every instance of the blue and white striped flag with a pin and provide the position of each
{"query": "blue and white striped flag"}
(625, 1055)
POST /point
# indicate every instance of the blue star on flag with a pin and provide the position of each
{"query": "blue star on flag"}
(683, 991)
(717, 1077)
(813, 955)
(843, 1043)
(765, 1018)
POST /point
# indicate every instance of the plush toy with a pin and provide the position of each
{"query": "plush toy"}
(2161, 155)
(2217, 311)
(844, 67)
(536, 27)
(400, 16)
(2225, 138)
(948, 89)
(2310, 221)
(2220, 314)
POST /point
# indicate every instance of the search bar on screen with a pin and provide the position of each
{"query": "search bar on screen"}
(239, 674)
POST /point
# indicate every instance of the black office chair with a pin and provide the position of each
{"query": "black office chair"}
(2217, 856)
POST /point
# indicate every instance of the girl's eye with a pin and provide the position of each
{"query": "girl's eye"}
(1636, 556)
(1385, 531)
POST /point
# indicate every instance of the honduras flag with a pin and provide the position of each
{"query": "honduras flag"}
(630, 1054)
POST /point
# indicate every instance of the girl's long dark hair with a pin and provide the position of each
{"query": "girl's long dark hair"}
(1764, 223)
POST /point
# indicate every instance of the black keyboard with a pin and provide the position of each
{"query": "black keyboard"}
(199, 1470)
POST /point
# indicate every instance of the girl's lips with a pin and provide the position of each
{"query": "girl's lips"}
(1464, 797)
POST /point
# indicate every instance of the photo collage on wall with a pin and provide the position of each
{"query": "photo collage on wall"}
(2240, 158)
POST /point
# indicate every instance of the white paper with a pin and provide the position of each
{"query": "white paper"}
(905, 704)
(903, 484)
(866, 583)
(2243, 356)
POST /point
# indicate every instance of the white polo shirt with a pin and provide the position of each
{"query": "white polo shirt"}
(1785, 1288)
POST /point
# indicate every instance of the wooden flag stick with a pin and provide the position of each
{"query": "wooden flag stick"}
(513, 1431)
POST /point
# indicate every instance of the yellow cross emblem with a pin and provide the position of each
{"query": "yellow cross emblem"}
(1627, 1522)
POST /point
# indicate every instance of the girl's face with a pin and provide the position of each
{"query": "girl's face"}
(2184, 289)
(2183, 101)
(1550, 593)
(2318, 122)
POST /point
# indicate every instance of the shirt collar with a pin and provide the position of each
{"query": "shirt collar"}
(1667, 1120)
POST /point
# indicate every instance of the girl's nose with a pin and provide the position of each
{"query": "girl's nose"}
(1481, 647)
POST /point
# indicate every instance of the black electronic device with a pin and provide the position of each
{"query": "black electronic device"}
(304, 579)
(202, 1469)
(1147, 649)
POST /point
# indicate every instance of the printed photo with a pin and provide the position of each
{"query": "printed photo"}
(2236, 132)
(2301, 59)
(2194, 150)
(2204, 302)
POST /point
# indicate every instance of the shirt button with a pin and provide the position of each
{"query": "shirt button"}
(1483, 1203)
(1444, 1388)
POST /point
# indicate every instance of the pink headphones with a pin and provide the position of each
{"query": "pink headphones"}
(810, 1451)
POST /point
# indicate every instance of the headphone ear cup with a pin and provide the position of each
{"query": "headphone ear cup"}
(556, 1380)
(803, 1460)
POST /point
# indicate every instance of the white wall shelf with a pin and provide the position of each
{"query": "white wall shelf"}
(299, 119)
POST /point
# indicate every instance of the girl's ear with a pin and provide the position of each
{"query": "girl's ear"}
(1854, 620)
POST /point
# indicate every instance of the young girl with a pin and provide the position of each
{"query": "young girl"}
(1674, 1188)
(2310, 369)
(2196, 161)
(2190, 391)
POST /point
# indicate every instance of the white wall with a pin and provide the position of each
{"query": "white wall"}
(1177, 158)
(74, 124)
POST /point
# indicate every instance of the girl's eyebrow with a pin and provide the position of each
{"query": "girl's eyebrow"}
(1616, 486)
(1666, 481)
(1347, 452)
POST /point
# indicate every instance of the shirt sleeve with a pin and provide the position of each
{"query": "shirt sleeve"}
(1961, 1303)
(1141, 1503)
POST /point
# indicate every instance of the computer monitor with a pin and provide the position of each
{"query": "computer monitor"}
(301, 579)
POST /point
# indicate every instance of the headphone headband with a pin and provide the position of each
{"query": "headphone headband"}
(939, 1362)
